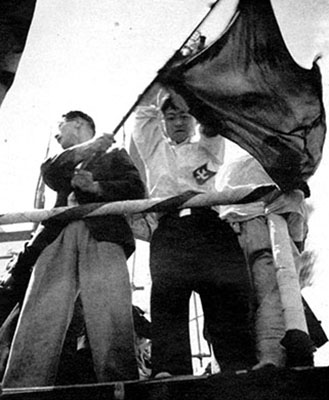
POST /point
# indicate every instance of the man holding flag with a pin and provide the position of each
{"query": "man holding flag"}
(87, 258)
(191, 249)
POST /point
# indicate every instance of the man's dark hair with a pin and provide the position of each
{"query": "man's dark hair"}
(72, 115)
(168, 104)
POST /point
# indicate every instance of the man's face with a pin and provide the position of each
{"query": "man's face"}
(179, 124)
(68, 133)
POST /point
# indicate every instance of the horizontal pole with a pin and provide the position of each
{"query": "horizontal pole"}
(16, 236)
(125, 207)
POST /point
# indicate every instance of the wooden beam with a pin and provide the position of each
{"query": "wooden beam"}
(264, 384)
(15, 236)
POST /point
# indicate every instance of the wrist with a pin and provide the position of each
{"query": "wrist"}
(303, 186)
(300, 193)
(97, 188)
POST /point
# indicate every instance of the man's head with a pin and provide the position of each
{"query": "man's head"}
(179, 123)
(74, 128)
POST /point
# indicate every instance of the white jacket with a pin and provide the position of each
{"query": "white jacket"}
(172, 169)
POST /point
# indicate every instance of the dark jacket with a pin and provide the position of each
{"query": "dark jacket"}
(118, 178)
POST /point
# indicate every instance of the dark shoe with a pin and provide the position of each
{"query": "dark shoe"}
(299, 349)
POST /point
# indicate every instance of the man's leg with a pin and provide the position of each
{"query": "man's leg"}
(171, 350)
(106, 299)
(225, 292)
(269, 322)
(45, 316)
(14, 282)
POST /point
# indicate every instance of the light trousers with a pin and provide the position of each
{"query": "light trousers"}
(269, 323)
(74, 263)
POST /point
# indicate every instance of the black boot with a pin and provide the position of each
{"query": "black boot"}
(299, 349)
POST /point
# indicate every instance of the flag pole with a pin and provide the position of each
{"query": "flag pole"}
(171, 60)
(39, 201)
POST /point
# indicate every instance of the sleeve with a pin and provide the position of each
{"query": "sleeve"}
(147, 131)
(123, 181)
(57, 171)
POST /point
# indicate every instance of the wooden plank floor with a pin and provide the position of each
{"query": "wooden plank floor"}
(268, 384)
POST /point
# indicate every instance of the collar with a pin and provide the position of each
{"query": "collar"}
(186, 141)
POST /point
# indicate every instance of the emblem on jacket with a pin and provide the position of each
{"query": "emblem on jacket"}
(202, 174)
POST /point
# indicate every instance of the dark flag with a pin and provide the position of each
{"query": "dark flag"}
(248, 87)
